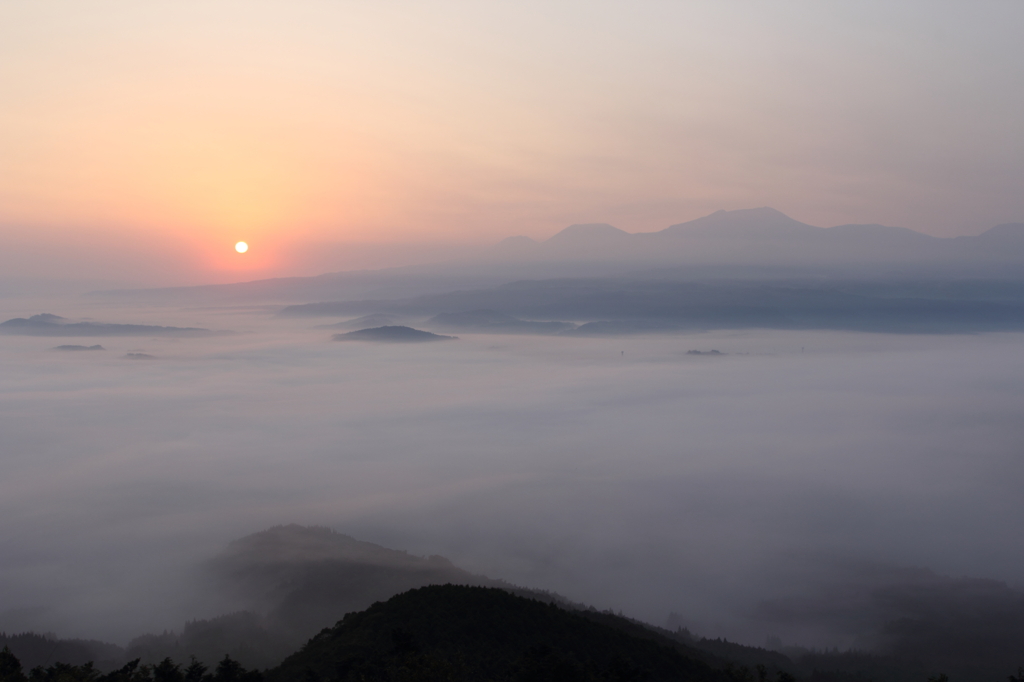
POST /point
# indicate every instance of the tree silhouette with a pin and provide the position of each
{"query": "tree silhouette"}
(10, 667)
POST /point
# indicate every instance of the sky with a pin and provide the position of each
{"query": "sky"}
(140, 141)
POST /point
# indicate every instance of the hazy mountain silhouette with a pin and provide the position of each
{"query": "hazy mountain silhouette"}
(73, 347)
(751, 223)
(46, 324)
(491, 321)
(305, 578)
(292, 581)
(392, 335)
(580, 242)
(1009, 233)
(364, 322)
(515, 246)
(759, 243)
(766, 238)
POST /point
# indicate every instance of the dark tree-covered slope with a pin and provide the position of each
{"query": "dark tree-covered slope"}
(449, 632)
(35, 650)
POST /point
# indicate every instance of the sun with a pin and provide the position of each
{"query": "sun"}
(241, 247)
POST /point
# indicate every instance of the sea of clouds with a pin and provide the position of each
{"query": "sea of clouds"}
(621, 472)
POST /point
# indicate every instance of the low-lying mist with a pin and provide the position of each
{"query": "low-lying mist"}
(621, 472)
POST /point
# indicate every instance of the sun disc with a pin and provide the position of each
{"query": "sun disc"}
(241, 247)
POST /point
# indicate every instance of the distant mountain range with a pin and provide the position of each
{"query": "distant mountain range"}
(749, 244)
(764, 237)
(731, 269)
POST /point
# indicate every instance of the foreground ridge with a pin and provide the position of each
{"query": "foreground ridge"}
(453, 632)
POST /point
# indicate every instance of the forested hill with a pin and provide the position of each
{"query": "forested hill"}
(449, 632)
(456, 633)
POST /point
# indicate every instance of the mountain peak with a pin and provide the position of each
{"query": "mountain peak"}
(589, 232)
(1005, 230)
(294, 543)
(519, 245)
(746, 222)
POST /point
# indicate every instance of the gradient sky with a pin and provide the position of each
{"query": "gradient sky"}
(139, 141)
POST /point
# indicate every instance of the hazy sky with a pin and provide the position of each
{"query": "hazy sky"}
(141, 140)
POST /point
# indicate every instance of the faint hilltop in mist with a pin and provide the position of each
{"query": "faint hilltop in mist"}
(303, 578)
(365, 322)
(392, 335)
(583, 242)
(72, 347)
(292, 581)
(493, 322)
(46, 324)
(302, 574)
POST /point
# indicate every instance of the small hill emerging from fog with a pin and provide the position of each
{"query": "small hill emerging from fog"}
(46, 324)
(392, 335)
(459, 633)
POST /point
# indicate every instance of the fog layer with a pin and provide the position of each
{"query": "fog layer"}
(625, 473)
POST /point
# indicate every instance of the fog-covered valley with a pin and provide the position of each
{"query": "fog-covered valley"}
(774, 489)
